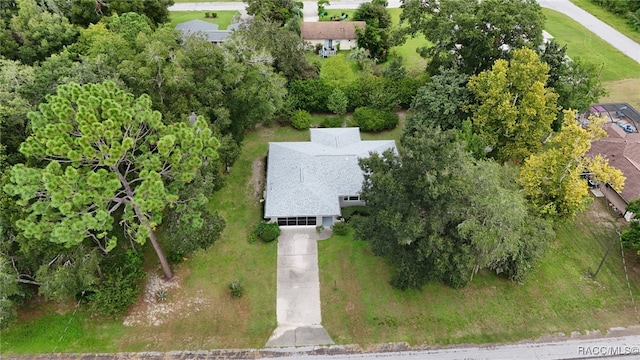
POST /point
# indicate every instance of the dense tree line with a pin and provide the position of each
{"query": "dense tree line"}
(112, 125)
(492, 151)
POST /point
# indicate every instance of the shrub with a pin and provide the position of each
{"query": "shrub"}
(350, 211)
(337, 102)
(214, 15)
(235, 288)
(268, 231)
(309, 94)
(301, 119)
(331, 122)
(341, 228)
(119, 288)
(369, 119)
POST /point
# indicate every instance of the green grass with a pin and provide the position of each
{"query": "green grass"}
(217, 320)
(585, 44)
(198, 1)
(223, 20)
(611, 19)
(338, 12)
(359, 306)
(53, 332)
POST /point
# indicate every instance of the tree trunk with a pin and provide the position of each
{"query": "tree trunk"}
(168, 274)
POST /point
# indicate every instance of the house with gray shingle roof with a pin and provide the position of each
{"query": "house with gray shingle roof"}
(209, 30)
(309, 182)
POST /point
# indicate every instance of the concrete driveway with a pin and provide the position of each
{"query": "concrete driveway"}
(298, 293)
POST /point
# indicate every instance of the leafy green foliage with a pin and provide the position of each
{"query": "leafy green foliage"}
(441, 102)
(374, 14)
(8, 288)
(309, 94)
(341, 228)
(514, 109)
(337, 102)
(120, 286)
(369, 119)
(631, 236)
(439, 214)
(472, 34)
(284, 44)
(267, 231)
(552, 178)
(577, 82)
(351, 211)
(331, 122)
(278, 11)
(236, 289)
(86, 12)
(301, 119)
(105, 150)
(34, 33)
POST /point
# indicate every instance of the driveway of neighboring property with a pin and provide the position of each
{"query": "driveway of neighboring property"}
(298, 303)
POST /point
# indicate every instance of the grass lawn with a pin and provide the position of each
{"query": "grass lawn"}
(359, 306)
(223, 20)
(627, 90)
(197, 1)
(585, 44)
(609, 18)
(203, 315)
(338, 12)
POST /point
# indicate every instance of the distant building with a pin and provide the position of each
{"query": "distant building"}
(622, 150)
(331, 35)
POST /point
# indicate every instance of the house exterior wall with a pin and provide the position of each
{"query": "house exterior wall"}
(344, 202)
(344, 44)
(614, 198)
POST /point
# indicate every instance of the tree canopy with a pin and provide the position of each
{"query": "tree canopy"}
(105, 151)
(552, 178)
(472, 34)
(441, 216)
(514, 109)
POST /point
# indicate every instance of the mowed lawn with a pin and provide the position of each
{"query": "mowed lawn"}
(585, 44)
(359, 306)
(223, 20)
(200, 314)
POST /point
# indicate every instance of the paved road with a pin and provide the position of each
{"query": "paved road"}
(602, 30)
(298, 293)
(607, 348)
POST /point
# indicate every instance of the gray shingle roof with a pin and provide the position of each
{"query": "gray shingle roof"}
(307, 178)
(210, 30)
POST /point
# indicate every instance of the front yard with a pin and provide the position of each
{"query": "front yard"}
(359, 306)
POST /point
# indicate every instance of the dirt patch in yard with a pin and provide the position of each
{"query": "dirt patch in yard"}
(257, 178)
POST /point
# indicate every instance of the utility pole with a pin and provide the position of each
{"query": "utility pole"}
(606, 253)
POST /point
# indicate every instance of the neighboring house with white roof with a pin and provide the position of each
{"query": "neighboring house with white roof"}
(309, 182)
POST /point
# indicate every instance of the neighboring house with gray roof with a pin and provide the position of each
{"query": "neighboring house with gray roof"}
(309, 182)
(209, 30)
